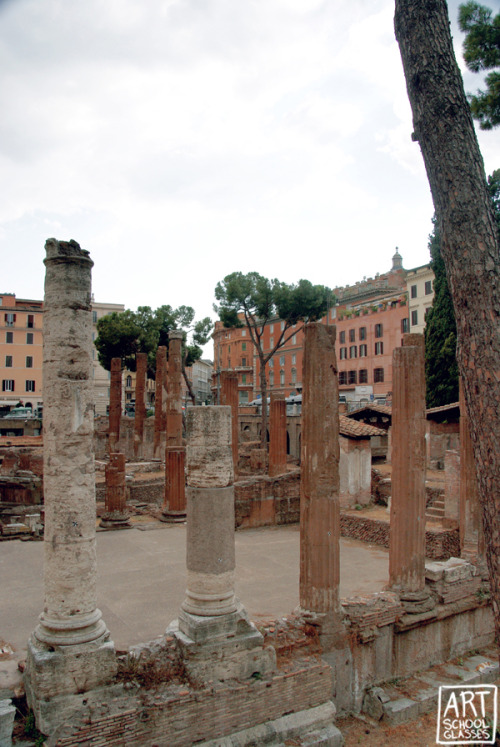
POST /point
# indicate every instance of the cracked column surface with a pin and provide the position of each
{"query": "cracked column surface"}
(70, 624)
(277, 435)
(407, 527)
(140, 405)
(319, 486)
(160, 400)
(115, 403)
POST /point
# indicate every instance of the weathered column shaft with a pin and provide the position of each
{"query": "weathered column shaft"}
(407, 529)
(174, 505)
(229, 397)
(115, 514)
(115, 403)
(471, 531)
(319, 487)
(160, 399)
(277, 435)
(140, 406)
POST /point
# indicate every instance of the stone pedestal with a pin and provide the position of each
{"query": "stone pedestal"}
(69, 651)
(277, 435)
(140, 406)
(160, 400)
(229, 397)
(407, 527)
(174, 505)
(217, 640)
(115, 515)
(319, 490)
(115, 404)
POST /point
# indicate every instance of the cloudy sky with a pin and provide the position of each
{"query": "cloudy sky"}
(181, 140)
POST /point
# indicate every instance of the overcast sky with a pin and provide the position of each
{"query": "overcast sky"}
(181, 140)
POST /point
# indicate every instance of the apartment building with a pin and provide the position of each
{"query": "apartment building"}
(420, 288)
(21, 352)
(21, 340)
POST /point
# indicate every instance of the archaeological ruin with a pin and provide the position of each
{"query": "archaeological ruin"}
(218, 669)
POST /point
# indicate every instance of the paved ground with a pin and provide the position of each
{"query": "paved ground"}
(141, 579)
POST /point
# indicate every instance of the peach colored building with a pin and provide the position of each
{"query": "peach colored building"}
(21, 340)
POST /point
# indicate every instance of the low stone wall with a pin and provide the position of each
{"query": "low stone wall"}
(191, 716)
(265, 501)
(440, 544)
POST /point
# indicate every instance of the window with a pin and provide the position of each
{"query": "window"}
(294, 375)
(343, 354)
(9, 320)
(243, 398)
(271, 342)
(353, 351)
(29, 338)
(428, 287)
(379, 348)
(271, 362)
(282, 326)
(363, 376)
(271, 328)
(342, 378)
(342, 337)
(243, 378)
(294, 339)
(9, 337)
(31, 321)
(271, 378)
(379, 330)
(229, 348)
(404, 325)
(29, 361)
(128, 381)
(363, 351)
(414, 318)
(282, 360)
(243, 333)
(427, 311)
(7, 385)
(243, 346)
(413, 291)
(8, 361)
(243, 361)
(362, 333)
(94, 317)
(30, 385)
(282, 378)
(352, 335)
(351, 377)
(294, 359)
(378, 375)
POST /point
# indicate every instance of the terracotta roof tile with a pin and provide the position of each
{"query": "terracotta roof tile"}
(354, 429)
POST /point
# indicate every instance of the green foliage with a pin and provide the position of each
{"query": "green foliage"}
(482, 52)
(143, 331)
(441, 368)
(494, 190)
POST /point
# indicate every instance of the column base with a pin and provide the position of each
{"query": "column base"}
(115, 520)
(221, 648)
(172, 517)
(55, 673)
(416, 602)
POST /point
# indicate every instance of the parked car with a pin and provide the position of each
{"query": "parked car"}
(20, 412)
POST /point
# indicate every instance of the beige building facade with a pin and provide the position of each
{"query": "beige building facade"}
(420, 287)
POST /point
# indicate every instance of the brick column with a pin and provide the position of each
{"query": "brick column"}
(229, 397)
(140, 406)
(407, 528)
(160, 400)
(69, 650)
(115, 515)
(217, 639)
(471, 531)
(115, 404)
(319, 486)
(174, 506)
(277, 435)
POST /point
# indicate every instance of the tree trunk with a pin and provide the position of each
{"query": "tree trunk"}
(263, 394)
(443, 126)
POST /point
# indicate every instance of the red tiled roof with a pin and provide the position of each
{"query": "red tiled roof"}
(354, 429)
(384, 409)
(443, 408)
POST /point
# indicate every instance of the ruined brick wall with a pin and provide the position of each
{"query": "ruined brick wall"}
(440, 544)
(126, 443)
(265, 501)
(195, 715)
(440, 437)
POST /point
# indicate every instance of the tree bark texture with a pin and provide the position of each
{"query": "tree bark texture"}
(444, 129)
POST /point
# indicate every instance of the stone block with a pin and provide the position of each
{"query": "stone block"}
(399, 711)
(7, 714)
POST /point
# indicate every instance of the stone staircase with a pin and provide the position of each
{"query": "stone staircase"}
(435, 511)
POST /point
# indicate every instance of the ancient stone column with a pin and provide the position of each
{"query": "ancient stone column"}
(115, 515)
(69, 650)
(407, 528)
(229, 396)
(140, 406)
(471, 531)
(277, 435)
(160, 400)
(115, 403)
(215, 635)
(319, 484)
(174, 506)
